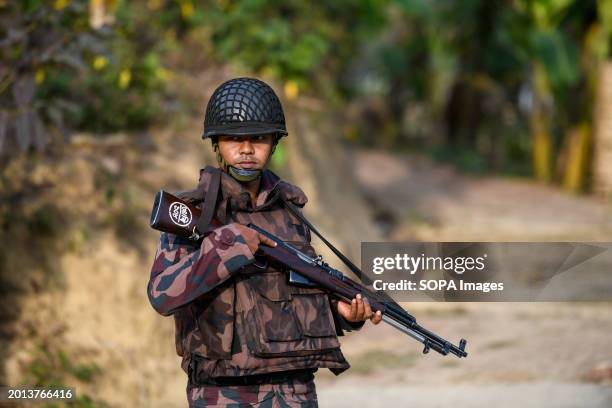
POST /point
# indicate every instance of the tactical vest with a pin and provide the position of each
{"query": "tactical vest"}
(257, 322)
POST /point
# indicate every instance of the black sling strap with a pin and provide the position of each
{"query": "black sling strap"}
(210, 200)
(293, 209)
(382, 296)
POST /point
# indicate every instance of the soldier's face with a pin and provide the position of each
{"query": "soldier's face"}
(246, 152)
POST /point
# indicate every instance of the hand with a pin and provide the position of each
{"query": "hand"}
(358, 310)
(254, 238)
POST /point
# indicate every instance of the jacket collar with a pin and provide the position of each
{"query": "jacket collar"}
(269, 190)
(235, 191)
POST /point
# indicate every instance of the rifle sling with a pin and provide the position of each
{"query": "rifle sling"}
(210, 201)
(293, 209)
(363, 278)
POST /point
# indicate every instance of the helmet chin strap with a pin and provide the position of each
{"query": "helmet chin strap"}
(244, 174)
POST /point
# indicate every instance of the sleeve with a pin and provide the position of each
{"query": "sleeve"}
(183, 270)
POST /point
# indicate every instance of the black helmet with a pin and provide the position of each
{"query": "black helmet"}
(244, 106)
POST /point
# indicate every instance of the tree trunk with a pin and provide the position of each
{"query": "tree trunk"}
(540, 125)
(577, 156)
(602, 155)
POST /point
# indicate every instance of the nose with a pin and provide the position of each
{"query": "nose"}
(246, 147)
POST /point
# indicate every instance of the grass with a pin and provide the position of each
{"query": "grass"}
(51, 369)
(500, 344)
(450, 363)
(372, 360)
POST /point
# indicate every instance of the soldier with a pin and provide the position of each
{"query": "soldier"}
(247, 338)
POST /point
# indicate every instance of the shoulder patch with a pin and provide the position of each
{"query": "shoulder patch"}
(292, 193)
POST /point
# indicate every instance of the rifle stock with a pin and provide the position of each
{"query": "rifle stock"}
(173, 215)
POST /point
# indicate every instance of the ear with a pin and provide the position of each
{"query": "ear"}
(274, 143)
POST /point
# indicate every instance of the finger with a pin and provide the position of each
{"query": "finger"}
(343, 307)
(376, 317)
(253, 248)
(266, 241)
(250, 235)
(367, 308)
(360, 308)
(354, 309)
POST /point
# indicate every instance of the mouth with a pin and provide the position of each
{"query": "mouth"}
(247, 164)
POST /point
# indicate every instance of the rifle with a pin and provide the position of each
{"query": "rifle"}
(171, 214)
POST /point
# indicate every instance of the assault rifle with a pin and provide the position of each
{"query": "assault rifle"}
(171, 214)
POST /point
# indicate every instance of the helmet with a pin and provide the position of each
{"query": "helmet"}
(244, 106)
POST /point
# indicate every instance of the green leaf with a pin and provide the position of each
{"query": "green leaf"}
(559, 55)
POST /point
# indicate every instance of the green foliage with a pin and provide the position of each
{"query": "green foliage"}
(301, 41)
(124, 87)
(469, 68)
(36, 38)
(45, 221)
(440, 71)
(465, 159)
(83, 372)
(604, 9)
(371, 361)
(67, 72)
(55, 369)
(61, 73)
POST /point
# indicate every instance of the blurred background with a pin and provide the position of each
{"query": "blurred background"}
(427, 120)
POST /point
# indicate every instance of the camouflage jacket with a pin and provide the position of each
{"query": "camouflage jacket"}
(234, 316)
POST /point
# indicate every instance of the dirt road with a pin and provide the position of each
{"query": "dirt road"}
(521, 354)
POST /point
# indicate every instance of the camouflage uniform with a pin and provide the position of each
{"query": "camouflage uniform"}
(293, 393)
(236, 317)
